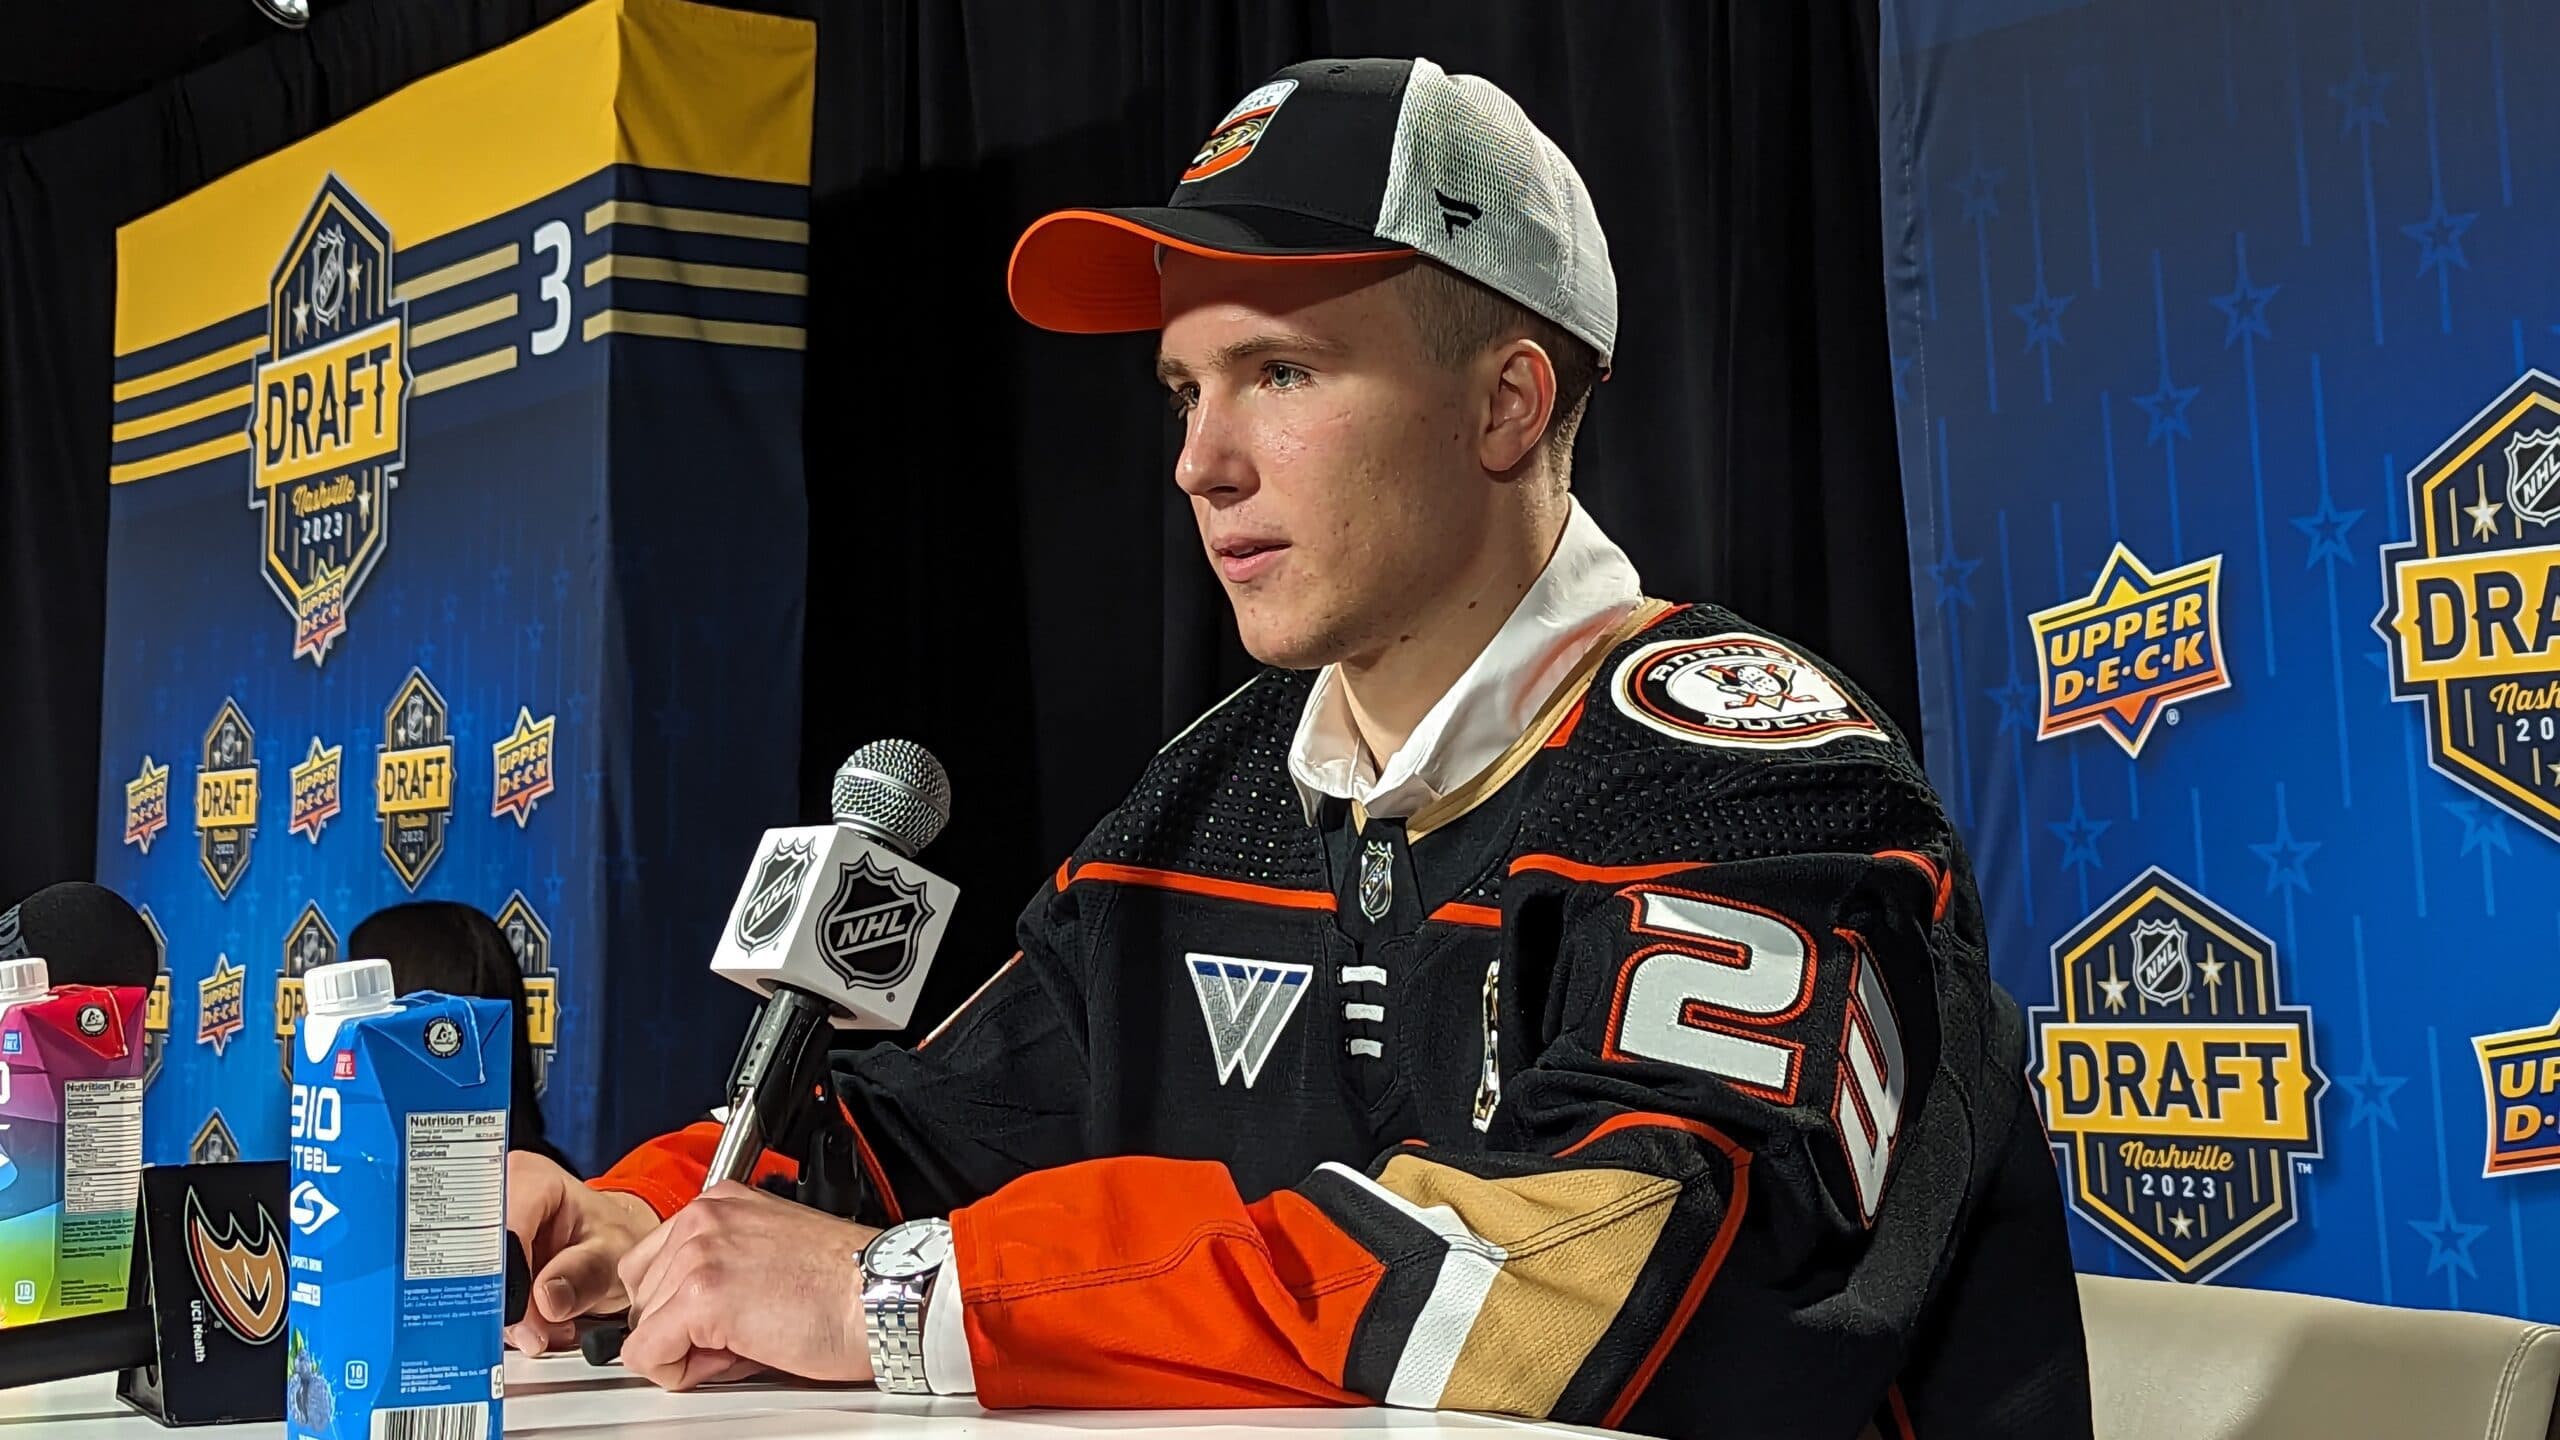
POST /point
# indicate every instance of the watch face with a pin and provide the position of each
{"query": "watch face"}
(909, 1250)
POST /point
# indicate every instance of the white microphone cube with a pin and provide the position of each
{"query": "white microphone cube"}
(829, 911)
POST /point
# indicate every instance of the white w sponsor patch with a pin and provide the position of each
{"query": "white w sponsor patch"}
(1245, 1003)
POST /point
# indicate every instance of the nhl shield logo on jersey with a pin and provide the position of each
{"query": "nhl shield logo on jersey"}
(2138, 642)
(312, 942)
(869, 930)
(1746, 691)
(2471, 604)
(778, 879)
(227, 798)
(413, 778)
(146, 805)
(530, 941)
(2520, 1078)
(2178, 1085)
(327, 431)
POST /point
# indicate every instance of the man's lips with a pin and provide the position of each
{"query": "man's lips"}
(1240, 560)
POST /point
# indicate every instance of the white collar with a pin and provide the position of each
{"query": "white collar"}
(1587, 586)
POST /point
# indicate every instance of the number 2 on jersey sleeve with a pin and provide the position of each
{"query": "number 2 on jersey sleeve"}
(1721, 976)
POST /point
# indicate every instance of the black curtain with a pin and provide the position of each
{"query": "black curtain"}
(999, 565)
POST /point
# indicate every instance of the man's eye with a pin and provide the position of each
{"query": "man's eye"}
(1180, 399)
(1284, 376)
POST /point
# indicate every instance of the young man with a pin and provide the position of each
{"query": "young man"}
(1524, 996)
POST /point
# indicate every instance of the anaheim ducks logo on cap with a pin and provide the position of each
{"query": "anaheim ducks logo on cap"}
(1234, 138)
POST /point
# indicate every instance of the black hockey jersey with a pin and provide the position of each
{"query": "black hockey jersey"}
(1654, 1079)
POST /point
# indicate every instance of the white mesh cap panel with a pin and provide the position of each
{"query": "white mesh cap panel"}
(1472, 184)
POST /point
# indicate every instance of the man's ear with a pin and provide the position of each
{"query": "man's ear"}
(1520, 394)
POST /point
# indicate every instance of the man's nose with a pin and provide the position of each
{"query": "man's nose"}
(1214, 464)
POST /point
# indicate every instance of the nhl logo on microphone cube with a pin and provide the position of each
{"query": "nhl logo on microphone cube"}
(397, 1210)
(827, 910)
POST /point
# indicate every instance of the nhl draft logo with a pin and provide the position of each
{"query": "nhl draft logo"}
(227, 798)
(1744, 691)
(326, 436)
(2178, 1085)
(768, 906)
(213, 1144)
(221, 999)
(155, 1012)
(1232, 142)
(413, 778)
(523, 767)
(315, 789)
(240, 1276)
(530, 940)
(2137, 643)
(146, 805)
(310, 943)
(2520, 1079)
(869, 931)
(2471, 608)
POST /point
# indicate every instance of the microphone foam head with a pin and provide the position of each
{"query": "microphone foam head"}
(87, 932)
(896, 790)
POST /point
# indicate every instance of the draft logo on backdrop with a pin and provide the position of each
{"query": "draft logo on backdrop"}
(522, 764)
(227, 798)
(2520, 1080)
(2136, 644)
(214, 1144)
(413, 778)
(2178, 1085)
(2471, 604)
(327, 431)
(146, 805)
(315, 790)
(312, 942)
(530, 940)
(155, 1011)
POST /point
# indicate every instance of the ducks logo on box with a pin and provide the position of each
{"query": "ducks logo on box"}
(146, 805)
(2175, 1080)
(2137, 643)
(413, 778)
(227, 798)
(530, 939)
(523, 767)
(2471, 604)
(310, 943)
(240, 1275)
(155, 1011)
(327, 431)
(221, 1005)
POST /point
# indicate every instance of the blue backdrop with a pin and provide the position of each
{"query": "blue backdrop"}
(2231, 487)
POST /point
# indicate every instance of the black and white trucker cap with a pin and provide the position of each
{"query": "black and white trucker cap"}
(1335, 160)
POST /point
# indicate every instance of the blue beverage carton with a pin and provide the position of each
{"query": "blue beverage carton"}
(398, 1210)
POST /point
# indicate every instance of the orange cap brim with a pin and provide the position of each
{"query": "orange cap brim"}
(1090, 272)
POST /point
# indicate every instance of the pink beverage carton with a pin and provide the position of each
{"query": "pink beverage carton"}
(70, 1143)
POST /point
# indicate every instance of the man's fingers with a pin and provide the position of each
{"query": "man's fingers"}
(643, 1283)
(658, 1346)
(536, 1336)
(578, 1279)
(710, 1367)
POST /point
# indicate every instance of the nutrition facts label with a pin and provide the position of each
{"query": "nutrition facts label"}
(101, 1146)
(457, 1187)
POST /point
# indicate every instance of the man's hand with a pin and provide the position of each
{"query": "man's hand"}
(741, 1280)
(573, 1238)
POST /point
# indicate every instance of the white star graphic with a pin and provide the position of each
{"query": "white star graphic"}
(2484, 514)
(2212, 973)
(2115, 992)
(2181, 1226)
(301, 319)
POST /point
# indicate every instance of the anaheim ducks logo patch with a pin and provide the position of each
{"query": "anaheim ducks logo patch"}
(1232, 142)
(242, 1276)
(1746, 691)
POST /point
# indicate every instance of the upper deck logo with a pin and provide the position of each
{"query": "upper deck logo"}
(227, 798)
(2138, 642)
(522, 759)
(2520, 1077)
(413, 778)
(146, 805)
(530, 940)
(869, 931)
(327, 434)
(2471, 604)
(155, 1011)
(315, 790)
(312, 942)
(221, 1005)
(2175, 1080)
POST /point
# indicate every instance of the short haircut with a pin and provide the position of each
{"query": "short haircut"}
(1458, 319)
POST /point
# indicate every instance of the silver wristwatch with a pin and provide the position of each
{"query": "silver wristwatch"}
(898, 1267)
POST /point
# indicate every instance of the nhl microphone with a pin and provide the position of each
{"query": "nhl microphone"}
(835, 927)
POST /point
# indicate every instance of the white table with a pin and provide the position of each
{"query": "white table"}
(562, 1395)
